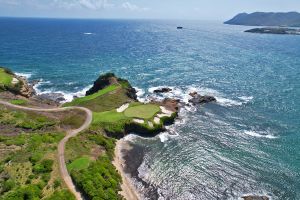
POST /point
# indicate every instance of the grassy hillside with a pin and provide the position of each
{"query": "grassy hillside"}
(28, 154)
(29, 168)
(5, 77)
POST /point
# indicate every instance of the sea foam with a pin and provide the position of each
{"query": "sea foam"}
(259, 134)
(26, 75)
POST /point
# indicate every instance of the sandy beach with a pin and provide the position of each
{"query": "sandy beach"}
(128, 190)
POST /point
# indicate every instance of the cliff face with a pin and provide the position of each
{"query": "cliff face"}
(266, 19)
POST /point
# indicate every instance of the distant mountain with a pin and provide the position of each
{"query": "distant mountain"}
(266, 19)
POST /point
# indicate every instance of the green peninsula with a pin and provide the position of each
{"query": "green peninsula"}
(33, 129)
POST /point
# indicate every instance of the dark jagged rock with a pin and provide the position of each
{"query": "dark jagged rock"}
(162, 90)
(199, 99)
(56, 97)
(170, 104)
(255, 197)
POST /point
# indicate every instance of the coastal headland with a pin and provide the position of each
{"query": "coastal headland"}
(75, 141)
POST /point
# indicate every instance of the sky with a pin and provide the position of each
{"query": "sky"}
(148, 9)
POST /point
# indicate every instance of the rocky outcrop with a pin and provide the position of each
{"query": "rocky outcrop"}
(255, 197)
(199, 99)
(163, 90)
(170, 104)
(26, 89)
(56, 97)
(19, 85)
(102, 82)
(109, 79)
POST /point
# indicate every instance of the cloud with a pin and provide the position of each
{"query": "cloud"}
(132, 7)
(95, 4)
(65, 4)
(10, 2)
(88, 4)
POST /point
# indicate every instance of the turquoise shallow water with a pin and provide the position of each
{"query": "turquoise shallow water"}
(249, 142)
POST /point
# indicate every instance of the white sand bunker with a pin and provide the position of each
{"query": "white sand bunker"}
(150, 124)
(123, 108)
(15, 81)
(156, 120)
(139, 121)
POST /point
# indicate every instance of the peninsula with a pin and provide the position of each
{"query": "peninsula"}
(52, 152)
(288, 19)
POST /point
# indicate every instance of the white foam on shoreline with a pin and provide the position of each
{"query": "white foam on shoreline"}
(140, 94)
(183, 95)
(69, 96)
(26, 75)
(259, 134)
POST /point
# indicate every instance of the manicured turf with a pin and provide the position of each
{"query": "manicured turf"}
(81, 100)
(5, 78)
(143, 111)
(79, 164)
(109, 116)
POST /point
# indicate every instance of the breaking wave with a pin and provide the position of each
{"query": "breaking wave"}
(259, 134)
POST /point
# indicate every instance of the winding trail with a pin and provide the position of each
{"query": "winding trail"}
(61, 146)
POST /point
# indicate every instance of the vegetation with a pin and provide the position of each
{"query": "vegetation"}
(6, 77)
(18, 102)
(100, 180)
(93, 173)
(25, 120)
(79, 163)
(30, 170)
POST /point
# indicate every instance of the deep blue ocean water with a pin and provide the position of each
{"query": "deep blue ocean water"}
(247, 143)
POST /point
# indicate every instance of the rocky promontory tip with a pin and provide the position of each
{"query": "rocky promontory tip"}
(199, 99)
(162, 90)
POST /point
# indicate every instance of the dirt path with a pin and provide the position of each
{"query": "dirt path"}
(61, 146)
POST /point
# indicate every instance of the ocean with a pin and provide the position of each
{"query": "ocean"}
(246, 143)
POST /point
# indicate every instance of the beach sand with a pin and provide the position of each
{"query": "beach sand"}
(128, 190)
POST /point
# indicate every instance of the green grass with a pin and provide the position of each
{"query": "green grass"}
(5, 78)
(108, 116)
(79, 163)
(18, 102)
(146, 111)
(81, 100)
